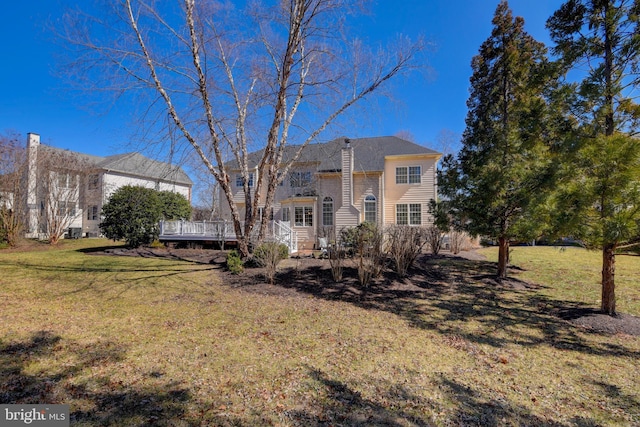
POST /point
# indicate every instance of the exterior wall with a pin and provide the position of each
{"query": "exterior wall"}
(88, 195)
(348, 191)
(409, 193)
(112, 181)
(368, 184)
(328, 185)
(347, 215)
(306, 234)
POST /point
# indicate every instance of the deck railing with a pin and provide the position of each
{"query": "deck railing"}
(223, 231)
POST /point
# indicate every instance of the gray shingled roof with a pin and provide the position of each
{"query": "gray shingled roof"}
(368, 153)
(133, 164)
(137, 164)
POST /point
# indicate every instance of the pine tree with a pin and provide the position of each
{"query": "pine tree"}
(599, 200)
(498, 176)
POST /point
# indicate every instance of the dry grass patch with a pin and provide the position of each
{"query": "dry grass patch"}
(163, 341)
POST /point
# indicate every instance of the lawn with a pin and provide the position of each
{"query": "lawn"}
(130, 341)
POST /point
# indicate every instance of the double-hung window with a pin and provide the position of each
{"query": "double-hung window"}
(92, 213)
(286, 215)
(370, 209)
(408, 174)
(93, 181)
(327, 211)
(409, 214)
(240, 180)
(300, 179)
(303, 216)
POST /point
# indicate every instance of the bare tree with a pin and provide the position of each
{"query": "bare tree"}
(234, 81)
(61, 175)
(12, 204)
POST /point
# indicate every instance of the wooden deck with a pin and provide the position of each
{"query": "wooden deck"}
(221, 232)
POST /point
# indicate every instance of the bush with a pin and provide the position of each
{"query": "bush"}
(174, 206)
(269, 255)
(405, 244)
(366, 243)
(234, 263)
(132, 214)
(435, 239)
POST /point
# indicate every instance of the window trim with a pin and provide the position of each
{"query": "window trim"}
(299, 179)
(327, 212)
(409, 174)
(410, 212)
(305, 214)
(369, 200)
(92, 213)
(93, 181)
(240, 180)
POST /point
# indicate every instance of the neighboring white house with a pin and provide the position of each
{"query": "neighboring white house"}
(342, 183)
(80, 184)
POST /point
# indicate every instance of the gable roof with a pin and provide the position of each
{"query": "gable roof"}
(368, 153)
(132, 164)
(137, 164)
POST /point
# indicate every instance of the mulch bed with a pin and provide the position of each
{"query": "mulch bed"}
(292, 268)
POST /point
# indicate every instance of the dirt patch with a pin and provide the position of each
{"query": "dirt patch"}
(309, 275)
(600, 322)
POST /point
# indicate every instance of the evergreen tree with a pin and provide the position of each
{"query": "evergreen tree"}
(174, 206)
(599, 198)
(496, 180)
(132, 214)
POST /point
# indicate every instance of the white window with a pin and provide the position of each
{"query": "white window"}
(415, 173)
(327, 211)
(66, 180)
(93, 181)
(66, 208)
(303, 216)
(409, 214)
(240, 180)
(300, 179)
(286, 215)
(408, 175)
(370, 209)
(92, 213)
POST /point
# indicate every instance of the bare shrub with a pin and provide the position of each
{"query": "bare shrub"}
(366, 240)
(434, 238)
(457, 240)
(337, 252)
(405, 243)
(269, 255)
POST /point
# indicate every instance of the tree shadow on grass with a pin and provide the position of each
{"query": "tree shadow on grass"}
(103, 400)
(474, 407)
(446, 293)
(339, 404)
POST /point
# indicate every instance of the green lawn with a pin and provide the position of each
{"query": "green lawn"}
(151, 341)
(573, 274)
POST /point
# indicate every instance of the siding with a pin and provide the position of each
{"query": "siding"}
(364, 185)
(409, 193)
(111, 182)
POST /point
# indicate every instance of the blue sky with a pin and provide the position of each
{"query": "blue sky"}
(33, 99)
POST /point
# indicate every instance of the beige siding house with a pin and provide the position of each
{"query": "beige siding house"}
(342, 183)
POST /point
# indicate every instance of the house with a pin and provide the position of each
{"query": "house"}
(66, 188)
(342, 183)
